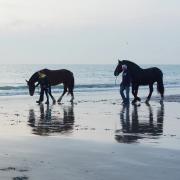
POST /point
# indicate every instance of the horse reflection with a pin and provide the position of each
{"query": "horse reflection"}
(47, 122)
(134, 129)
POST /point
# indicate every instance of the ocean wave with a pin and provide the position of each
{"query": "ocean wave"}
(23, 89)
(85, 86)
(12, 87)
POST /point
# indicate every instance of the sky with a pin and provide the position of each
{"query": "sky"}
(89, 31)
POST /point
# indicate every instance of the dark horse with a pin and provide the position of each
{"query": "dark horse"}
(141, 76)
(55, 77)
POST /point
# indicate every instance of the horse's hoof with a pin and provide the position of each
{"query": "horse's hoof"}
(161, 102)
(134, 101)
(138, 99)
(38, 102)
(147, 101)
(72, 99)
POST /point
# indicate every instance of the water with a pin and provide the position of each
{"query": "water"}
(87, 78)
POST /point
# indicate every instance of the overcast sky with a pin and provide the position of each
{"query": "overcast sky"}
(89, 31)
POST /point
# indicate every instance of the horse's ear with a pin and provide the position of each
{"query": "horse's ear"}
(119, 61)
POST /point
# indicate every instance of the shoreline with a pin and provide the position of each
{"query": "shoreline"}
(116, 96)
(98, 119)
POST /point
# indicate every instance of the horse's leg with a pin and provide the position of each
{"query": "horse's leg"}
(150, 92)
(136, 92)
(70, 89)
(54, 101)
(133, 93)
(162, 99)
(160, 88)
(41, 97)
(47, 96)
(72, 96)
(64, 92)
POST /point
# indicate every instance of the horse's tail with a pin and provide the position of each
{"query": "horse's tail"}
(71, 84)
(160, 84)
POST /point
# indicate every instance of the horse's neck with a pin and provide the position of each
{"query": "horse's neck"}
(131, 64)
(34, 78)
(133, 68)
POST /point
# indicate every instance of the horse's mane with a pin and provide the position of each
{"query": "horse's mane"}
(35, 76)
(131, 64)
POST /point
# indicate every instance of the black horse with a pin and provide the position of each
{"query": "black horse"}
(140, 77)
(55, 77)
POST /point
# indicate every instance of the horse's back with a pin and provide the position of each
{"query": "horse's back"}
(148, 76)
(153, 71)
(59, 76)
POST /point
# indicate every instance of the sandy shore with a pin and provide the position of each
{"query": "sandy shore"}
(92, 139)
(53, 158)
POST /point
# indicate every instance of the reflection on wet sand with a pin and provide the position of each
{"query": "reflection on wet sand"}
(48, 122)
(139, 127)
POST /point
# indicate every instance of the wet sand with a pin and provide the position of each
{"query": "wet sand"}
(91, 139)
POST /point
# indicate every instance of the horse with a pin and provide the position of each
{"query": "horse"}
(143, 77)
(55, 77)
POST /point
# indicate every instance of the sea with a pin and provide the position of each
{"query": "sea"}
(88, 78)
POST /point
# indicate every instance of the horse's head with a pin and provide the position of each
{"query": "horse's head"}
(118, 69)
(31, 87)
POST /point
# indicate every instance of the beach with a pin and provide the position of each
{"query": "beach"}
(84, 55)
(93, 138)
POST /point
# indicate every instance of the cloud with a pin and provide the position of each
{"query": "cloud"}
(78, 13)
(89, 30)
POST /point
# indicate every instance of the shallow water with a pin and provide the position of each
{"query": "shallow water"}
(49, 122)
(137, 123)
(101, 118)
